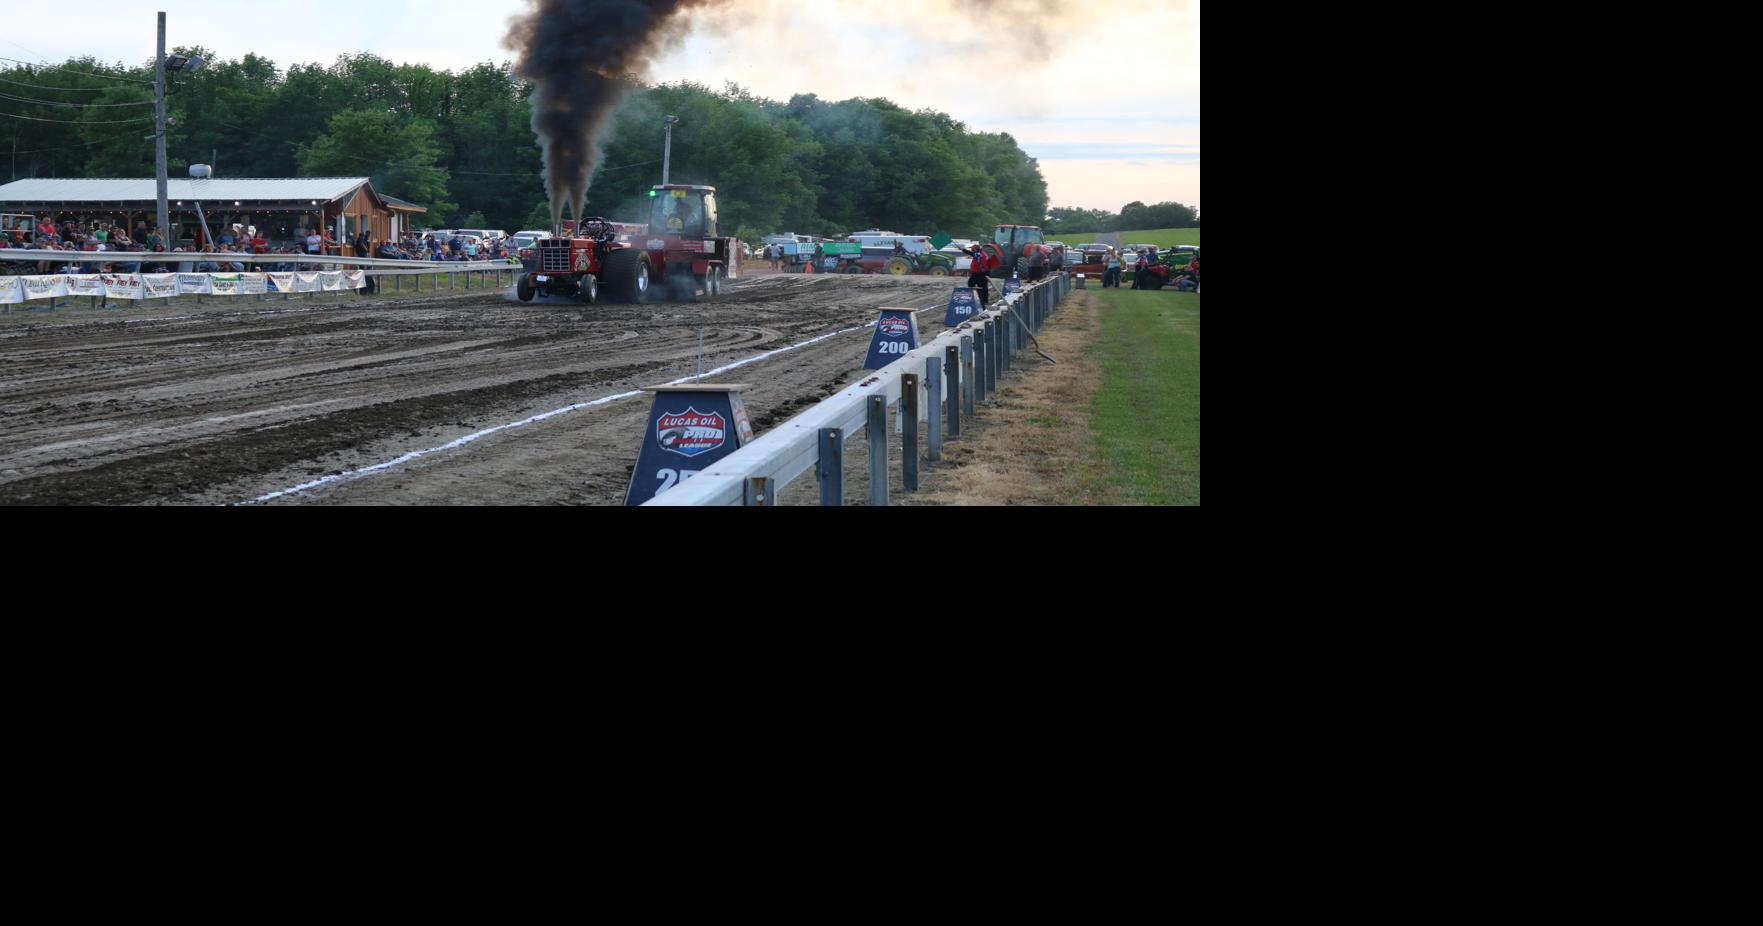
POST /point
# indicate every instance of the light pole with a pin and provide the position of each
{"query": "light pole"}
(667, 152)
(160, 66)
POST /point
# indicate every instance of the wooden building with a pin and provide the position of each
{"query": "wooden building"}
(281, 209)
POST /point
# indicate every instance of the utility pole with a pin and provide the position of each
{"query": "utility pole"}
(667, 152)
(159, 140)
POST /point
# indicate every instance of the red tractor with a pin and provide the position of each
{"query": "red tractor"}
(1022, 250)
(677, 254)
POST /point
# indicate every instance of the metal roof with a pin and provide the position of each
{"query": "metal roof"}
(53, 190)
(403, 203)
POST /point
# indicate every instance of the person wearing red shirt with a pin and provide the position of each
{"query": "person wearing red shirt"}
(976, 275)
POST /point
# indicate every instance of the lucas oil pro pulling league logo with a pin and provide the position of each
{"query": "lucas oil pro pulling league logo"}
(690, 432)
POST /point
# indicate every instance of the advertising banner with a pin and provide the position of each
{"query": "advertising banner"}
(194, 284)
(354, 279)
(280, 282)
(122, 285)
(333, 280)
(85, 284)
(253, 283)
(44, 287)
(159, 285)
(224, 284)
(306, 282)
(11, 290)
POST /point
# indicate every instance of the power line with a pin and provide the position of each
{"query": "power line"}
(92, 73)
(47, 87)
(79, 121)
(83, 145)
(62, 103)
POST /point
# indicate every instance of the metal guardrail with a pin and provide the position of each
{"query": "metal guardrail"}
(374, 267)
(190, 257)
(944, 377)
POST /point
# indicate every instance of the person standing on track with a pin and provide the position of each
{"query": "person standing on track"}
(976, 275)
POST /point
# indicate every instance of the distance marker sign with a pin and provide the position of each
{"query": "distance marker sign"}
(896, 335)
(1012, 285)
(963, 305)
(690, 428)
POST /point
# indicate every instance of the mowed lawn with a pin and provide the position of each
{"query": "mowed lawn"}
(1161, 237)
(1147, 411)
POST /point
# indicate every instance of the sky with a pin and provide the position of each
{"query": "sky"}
(1109, 104)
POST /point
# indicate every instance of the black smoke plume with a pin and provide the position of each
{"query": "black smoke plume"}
(582, 57)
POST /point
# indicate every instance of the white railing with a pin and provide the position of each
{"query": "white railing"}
(131, 285)
(793, 448)
(192, 258)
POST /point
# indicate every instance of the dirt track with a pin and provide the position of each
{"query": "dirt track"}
(230, 404)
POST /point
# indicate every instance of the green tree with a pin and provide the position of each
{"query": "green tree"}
(399, 153)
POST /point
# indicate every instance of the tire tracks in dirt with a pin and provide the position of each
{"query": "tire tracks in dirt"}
(214, 408)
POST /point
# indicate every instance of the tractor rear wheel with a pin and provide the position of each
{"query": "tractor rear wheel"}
(898, 266)
(627, 275)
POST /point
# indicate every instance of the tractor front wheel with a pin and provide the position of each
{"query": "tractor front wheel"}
(590, 289)
(524, 289)
(939, 271)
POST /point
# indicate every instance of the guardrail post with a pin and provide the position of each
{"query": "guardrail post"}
(981, 362)
(952, 358)
(452, 280)
(933, 387)
(1007, 359)
(1003, 335)
(829, 468)
(992, 340)
(909, 443)
(968, 377)
(878, 451)
(759, 492)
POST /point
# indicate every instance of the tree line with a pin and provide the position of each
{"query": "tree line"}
(461, 144)
(1134, 215)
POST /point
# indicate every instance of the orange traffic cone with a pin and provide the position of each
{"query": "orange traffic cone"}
(808, 267)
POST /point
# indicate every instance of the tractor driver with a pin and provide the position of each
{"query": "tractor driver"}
(688, 216)
(602, 241)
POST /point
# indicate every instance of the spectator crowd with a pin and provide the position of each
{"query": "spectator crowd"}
(99, 246)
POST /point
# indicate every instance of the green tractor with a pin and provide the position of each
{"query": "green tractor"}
(935, 263)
